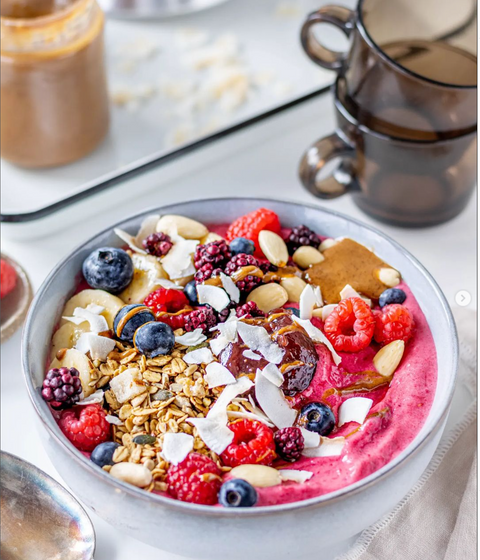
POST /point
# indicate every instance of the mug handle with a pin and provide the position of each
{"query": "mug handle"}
(342, 179)
(340, 17)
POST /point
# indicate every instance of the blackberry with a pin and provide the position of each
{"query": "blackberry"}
(267, 267)
(289, 443)
(203, 318)
(223, 315)
(302, 235)
(206, 272)
(239, 261)
(216, 253)
(248, 283)
(249, 310)
(157, 244)
(62, 387)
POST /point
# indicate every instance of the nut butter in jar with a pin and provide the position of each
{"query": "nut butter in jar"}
(54, 100)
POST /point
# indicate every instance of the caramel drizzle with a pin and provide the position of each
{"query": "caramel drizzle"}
(249, 270)
(380, 413)
(363, 386)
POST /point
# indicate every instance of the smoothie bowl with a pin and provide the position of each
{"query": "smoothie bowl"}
(239, 376)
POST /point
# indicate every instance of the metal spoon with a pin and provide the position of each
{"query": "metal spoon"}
(40, 519)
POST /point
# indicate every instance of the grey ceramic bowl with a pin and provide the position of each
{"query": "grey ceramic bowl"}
(293, 530)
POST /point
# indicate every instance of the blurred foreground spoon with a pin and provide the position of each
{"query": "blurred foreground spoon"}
(40, 519)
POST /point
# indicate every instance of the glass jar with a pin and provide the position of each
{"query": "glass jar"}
(54, 100)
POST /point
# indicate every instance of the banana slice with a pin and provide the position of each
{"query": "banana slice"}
(67, 336)
(111, 304)
(75, 358)
(147, 272)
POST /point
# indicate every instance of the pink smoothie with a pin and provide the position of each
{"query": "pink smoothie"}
(398, 413)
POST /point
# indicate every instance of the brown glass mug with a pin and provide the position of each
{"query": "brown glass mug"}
(411, 183)
(411, 67)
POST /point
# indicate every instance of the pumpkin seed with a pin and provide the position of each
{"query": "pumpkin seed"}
(144, 439)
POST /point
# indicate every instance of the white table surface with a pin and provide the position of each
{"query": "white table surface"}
(261, 162)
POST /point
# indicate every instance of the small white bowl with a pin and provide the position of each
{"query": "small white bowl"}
(292, 530)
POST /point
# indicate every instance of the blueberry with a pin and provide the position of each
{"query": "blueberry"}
(154, 339)
(317, 417)
(294, 311)
(242, 245)
(392, 295)
(129, 319)
(103, 454)
(237, 493)
(190, 291)
(108, 269)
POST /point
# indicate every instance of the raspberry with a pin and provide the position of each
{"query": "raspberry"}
(8, 278)
(252, 444)
(350, 326)
(394, 322)
(166, 300)
(300, 236)
(202, 318)
(174, 320)
(251, 225)
(239, 261)
(206, 272)
(157, 244)
(85, 426)
(62, 387)
(216, 253)
(289, 443)
(197, 479)
(249, 310)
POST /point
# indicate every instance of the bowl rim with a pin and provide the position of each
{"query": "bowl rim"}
(196, 509)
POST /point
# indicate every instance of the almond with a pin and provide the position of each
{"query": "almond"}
(260, 476)
(389, 276)
(294, 286)
(387, 359)
(185, 227)
(269, 296)
(305, 256)
(211, 236)
(273, 247)
(327, 243)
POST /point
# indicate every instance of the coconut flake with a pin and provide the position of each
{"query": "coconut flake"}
(213, 432)
(191, 338)
(317, 336)
(168, 284)
(178, 263)
(310, 298)
(148, 226)
(97, 322)
(329, 447)
(349, 292)
(273, 402)
(242, 385)
(251, 355)
(229, 330)
(176, 446)
(94, 398)
(98, 346)
(294, 475)
(354, 409)
(219, 344)
(273, 374)
(327, 309)
(213, 295)
(199, 356)
(250, 416)
(257, 338)
(217, 375)
(127, 385)
(130, 240)
(311, 439)
(94, 308)
(230, 287)
(113, 420)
